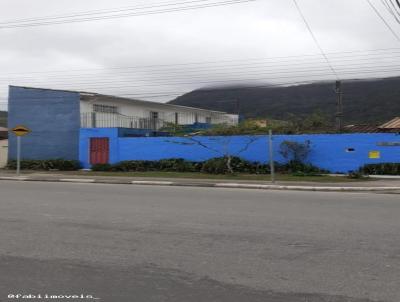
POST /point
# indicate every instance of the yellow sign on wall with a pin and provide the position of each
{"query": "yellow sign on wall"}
(374, 154)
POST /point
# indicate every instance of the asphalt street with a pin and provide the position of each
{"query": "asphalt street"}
(141, 243)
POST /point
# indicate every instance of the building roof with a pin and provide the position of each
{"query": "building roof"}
(393, 124)
(118, 98)
(92, 94)
(362, 128)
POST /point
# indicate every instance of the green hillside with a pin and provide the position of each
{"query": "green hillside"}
(3, 119)
(371, 101)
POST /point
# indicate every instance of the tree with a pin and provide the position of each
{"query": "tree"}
(225, 151)
(295, 151)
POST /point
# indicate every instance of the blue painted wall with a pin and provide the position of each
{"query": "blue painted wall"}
(328, 151)
(54, 118)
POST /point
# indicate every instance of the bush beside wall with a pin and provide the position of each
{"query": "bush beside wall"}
(381, 169)
(46, 165)
(212, 166)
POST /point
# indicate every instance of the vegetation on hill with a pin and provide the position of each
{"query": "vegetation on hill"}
(3, 119)
(372, 101)
(317, 122)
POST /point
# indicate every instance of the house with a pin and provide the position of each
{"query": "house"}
(103, 111)
(55, 118)
(3, 146)
(3, 152)
(392, 126)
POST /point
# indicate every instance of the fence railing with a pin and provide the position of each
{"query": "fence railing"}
(113, 120)
(105, 120)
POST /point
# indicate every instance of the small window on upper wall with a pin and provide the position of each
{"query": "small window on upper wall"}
(350, 150)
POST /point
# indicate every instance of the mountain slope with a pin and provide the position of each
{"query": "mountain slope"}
(3, 119)
(372, 101)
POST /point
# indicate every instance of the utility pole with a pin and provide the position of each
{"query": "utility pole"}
(339, 106)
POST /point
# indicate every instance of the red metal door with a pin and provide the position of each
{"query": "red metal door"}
(99, 150)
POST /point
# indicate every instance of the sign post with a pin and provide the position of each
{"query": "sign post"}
(20, 131)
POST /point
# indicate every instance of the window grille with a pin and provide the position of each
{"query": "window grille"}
(105, 108)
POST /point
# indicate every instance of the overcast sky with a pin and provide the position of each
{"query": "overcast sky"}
(230, 44)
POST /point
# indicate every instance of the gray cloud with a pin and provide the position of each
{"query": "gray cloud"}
(261, 29)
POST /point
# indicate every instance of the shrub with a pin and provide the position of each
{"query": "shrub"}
(215, 166)
(136, 166)
(102, 167)
(46, 165)
(297, 167)
(219, 166)
(355, 175)
(170, 165)
(178, 165)
(381, 169)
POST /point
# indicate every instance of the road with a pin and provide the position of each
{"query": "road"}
(140, 243)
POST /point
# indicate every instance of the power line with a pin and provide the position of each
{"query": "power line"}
(205, 90)
(384, 20)
(172, 93)
(382, 54)
(304, 78)
(177, 79)
(225, 71)
(281, 84)
(392, 9)
(43, 22)
(314, 38)
(100, 11)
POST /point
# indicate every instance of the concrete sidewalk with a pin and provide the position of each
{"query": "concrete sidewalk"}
(384, 185)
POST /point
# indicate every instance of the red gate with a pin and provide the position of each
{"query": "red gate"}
(99, 150)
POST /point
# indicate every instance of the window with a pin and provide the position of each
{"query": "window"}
(105, 108)
(176, 118)
(154, 115)
(350, 150)
(208, 120)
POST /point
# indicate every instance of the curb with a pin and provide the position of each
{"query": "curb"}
(212, 185)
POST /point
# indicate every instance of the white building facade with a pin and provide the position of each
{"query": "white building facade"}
(102, 111)
(3, 152)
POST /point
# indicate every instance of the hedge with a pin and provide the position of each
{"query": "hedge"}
(381, 169)
(212, 166)
(46, 165)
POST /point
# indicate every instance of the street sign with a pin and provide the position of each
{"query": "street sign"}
(21, 130)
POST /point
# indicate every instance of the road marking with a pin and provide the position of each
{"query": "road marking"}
(84, 180)
(385, 176)
(14, 178)
(145, 182)
(303, 188)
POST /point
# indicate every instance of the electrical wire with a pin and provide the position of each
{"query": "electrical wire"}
(315, 38)
(275, 85)
(169, 78)
(392, 9)
(100, 12)
(117, 16)
(383, 20)
(224, 82)
(336, 57)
